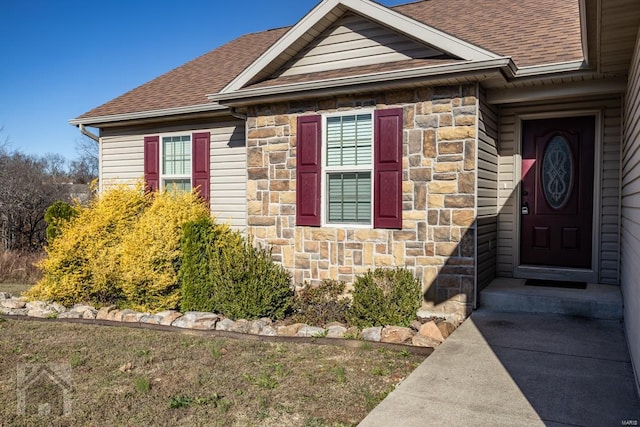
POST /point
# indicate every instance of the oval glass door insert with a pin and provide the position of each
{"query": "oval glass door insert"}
(557, 172)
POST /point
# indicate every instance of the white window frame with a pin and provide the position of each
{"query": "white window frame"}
(164, 176)
(326, 170)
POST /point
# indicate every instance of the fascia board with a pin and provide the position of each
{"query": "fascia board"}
(212, 107)
(559, 67)
(583, 30)
(504, 64)
(557, 91)
(390, 18)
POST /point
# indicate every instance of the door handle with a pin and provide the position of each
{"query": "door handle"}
(525, 208)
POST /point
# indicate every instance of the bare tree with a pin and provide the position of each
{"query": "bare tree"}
(84, 168)
(55, 165)
(4, 142)
(31, 183)
(27, 190)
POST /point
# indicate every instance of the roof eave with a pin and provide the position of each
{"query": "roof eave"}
(100, 120)
(338, 85)
(560, 91)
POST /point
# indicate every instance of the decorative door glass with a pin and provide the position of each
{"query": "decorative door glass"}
(557, 172)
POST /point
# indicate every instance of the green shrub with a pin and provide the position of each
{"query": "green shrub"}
(56, 215)
(248, 284)
(321, 304)
(199, 239)
(224, 273)
(385, 297)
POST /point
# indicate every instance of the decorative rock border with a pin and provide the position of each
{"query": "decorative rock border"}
(425, 333)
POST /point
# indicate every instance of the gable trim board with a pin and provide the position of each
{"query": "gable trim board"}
(354, 41)
(327, 12)
(470, 69)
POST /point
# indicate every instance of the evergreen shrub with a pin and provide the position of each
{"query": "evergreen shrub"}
(321, 304)
(225, 273)
(199, 239)
(56, 215)
(248, 284)
(385, 297)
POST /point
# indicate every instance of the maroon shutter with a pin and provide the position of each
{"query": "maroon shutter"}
(152, 162)
(387, 199)
(308, 170)
(200, 161)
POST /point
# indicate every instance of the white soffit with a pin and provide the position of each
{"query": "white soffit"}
(373, 11)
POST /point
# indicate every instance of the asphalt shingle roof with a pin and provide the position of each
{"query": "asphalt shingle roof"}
(532, 32)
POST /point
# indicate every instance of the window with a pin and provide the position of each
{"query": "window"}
(348, 169)
(353, 174)
(176, 162)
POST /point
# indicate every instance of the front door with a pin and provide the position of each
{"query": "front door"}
(557, 192)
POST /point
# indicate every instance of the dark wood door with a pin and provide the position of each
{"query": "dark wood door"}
(557, 192)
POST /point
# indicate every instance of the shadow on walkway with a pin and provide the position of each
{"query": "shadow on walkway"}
(520, 369)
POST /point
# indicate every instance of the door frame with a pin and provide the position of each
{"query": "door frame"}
(590, 275)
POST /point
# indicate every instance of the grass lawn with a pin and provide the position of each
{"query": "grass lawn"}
(122, 376)
(14, 289)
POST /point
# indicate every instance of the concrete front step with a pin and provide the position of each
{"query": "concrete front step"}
(511, 295)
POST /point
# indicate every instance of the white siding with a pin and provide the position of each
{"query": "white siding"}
(630, 245)
(487, 191)
(610, 133)
(122, 161)
(354, 41)
(229, 173)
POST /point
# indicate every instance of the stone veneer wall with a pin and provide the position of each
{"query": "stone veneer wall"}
(437, 240)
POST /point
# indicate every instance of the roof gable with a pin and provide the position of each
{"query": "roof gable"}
(535, 34)
(326, 14)
(354, 41)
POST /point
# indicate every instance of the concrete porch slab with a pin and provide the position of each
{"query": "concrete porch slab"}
(511, 295)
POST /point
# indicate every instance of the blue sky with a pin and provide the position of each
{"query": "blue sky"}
(62, 58)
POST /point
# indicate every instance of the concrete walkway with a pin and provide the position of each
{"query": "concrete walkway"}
(506, 369)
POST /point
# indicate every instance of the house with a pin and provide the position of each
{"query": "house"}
(465, 140)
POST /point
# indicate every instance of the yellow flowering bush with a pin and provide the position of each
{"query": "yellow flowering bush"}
(124, 249)
(83, 262)
(151, 252)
